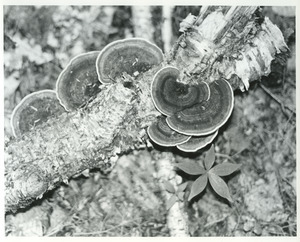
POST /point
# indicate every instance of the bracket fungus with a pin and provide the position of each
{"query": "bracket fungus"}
(33, 110)
(161, 134)
(133, 56)
(78, 82)
(170, 96)
(197, 142)
(207, 116)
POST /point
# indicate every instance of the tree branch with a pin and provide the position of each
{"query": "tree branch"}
(223, 42)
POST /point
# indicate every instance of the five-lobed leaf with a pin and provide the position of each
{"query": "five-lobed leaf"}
(198, 186)
(219, 186)
(191, 168)
(207, 174)
(209, 157)
(224, 169)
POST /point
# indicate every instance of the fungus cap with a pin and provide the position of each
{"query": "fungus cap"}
(197, 142)
(33, 110)
(133, 56)
(78, 82)
(161, 134)
(208, 116)
(170, 96)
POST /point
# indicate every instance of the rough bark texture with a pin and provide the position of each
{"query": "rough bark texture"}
(223, 42)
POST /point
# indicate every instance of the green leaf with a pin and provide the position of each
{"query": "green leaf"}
(210, 157)
(224, 169)
(171, 201)
(182, 187)
(219, 186)
(180, 195)
(191, 168)
(198, 186)
(169, 187)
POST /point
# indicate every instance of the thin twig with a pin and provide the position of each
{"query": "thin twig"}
(272, 95)
(216, 221)
(224, 156)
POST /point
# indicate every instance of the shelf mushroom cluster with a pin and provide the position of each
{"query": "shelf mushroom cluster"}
(82, 78)
(191, 114)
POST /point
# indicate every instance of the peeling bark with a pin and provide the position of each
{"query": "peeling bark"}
(223, 42)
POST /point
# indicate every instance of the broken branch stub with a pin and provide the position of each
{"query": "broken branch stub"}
(132, 56)
(78, 82)
(33, 110)
(235, 43)
(208, 116)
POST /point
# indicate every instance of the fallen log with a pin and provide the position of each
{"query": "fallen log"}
(235, 43)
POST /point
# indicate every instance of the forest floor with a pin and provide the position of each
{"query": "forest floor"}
(260, 135)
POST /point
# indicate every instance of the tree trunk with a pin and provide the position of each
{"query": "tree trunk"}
(141, 16)
(229, 42)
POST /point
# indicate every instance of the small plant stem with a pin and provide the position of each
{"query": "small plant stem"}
(282, 105)
(224, 156)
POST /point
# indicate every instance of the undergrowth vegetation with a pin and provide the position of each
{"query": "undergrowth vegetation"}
(260, 138)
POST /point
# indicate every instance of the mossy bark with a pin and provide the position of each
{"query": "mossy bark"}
(223, 42)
